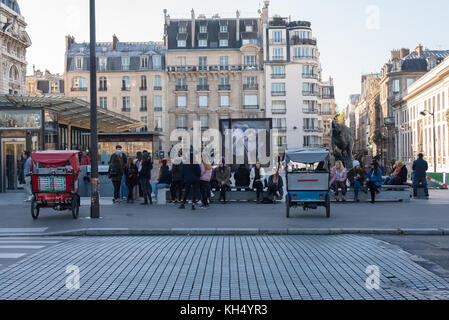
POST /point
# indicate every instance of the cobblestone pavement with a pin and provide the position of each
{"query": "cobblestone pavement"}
(221, 268)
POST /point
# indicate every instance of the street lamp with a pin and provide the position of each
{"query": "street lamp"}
(425, 113)
(94, 182)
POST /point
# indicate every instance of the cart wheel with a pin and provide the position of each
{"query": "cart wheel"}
(34, 209)
(328, 207)
(75, 207)
(287, 204)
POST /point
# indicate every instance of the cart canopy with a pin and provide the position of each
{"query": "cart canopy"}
(54, 159)
(307, 155)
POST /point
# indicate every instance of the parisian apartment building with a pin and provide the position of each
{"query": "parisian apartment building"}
(214, 68)
(14, 42)
(45, 83)
(130, 79)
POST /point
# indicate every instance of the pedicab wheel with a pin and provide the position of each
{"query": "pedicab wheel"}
(328, 207)
(34, 209)
(75, 207)
(287, 204)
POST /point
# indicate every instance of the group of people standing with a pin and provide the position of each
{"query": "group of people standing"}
(186, 181)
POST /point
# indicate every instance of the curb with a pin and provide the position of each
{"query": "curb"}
(113, 232)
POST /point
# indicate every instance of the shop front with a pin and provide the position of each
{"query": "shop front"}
(36, 123)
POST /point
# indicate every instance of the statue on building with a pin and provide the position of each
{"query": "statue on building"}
(342, 143)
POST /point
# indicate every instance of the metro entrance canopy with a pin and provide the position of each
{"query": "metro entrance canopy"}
(72, 111)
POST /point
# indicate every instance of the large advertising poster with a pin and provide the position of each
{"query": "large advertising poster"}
(247, 135)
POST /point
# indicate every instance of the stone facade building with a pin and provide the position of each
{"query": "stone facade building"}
(397, 75)
(327, 106)
(45, 83)
(131, 78)
(214, 70)
(423, 128)
(14, 42)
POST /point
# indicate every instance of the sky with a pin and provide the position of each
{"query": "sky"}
(354, 36)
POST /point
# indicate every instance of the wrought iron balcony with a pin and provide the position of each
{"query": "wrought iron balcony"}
(79, 89)
(224, 87)
(251, 107)
(202, 88)
(250, 86)
(279, 111)
(310, 111)
(181, 88)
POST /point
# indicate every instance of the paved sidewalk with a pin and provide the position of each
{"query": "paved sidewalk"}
(221, 268)
(414, 217)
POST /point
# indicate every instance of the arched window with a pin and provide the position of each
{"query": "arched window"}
(14, 73)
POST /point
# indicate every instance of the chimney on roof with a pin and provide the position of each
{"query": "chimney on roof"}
(419, 50)
(395, 54)
(404, 52)
(237, 36)
(115, 41)
(265, 16)
(69, 40)
(193, 27)
(47, 73)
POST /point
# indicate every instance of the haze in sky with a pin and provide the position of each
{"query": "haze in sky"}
(354, 36)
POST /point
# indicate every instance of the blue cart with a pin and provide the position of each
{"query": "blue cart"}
(307, 177)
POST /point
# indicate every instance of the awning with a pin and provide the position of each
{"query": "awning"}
(73, 112)
(307, 155)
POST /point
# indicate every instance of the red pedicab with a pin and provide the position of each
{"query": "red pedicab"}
(54, 181)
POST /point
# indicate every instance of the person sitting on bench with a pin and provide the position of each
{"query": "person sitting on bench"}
(257, 177)
(357, 178)
(275, 186)
(401, 177)
(242, 177)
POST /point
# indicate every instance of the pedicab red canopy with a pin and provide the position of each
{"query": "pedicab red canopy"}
(54, 159)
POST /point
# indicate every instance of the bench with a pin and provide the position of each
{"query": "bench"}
(388, 193)
(234, 195)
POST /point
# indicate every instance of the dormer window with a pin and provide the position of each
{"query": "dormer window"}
(79, 63)
(125, 63)
(144, 62)
(157, 62)
(202, 43)
(249, 28)
(223, 29)
(182, 43)
(203, 29)
(182, 29)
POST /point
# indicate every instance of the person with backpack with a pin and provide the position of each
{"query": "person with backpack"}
(131, 179)
(116, 173)
(145, 176)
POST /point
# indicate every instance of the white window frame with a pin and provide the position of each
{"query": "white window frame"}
(158, 102)
(224, 101)
(182, 43)
(144, 61)
(157, 62)
(181, 102)
(224, 43)
(202, 43)
(203, 101)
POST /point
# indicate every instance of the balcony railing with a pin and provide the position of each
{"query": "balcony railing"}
(126, 88)
(79, 89)
(202, 88)
(251, 107)
(181, 88)
(142, 109)
(126, 109)
(102, 89)
(143, 88)
(204, 128)
(280, 128)
(214, 68)
(278, 93)
(157, 108)
(181, 127)
(279, 111)
(327, 96)
(312, 129)
(310, 111)
(250, 86)
(224, 87)
(305, 58)
(281, 42)
(298, 41)
(156, 88)
(278, 75)
(309, 76)
(310, 93)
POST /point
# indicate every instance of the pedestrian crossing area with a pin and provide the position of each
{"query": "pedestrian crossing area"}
(14, 249)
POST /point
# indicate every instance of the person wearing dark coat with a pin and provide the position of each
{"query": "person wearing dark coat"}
(401, 177)
(242, 177)
(275, 187)
(357, 178)
(145, 176)
(131, 179)
(164, 179)
(116, 174)
(191, 174)
(177, 183)
(420, 168)
(223, 179)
